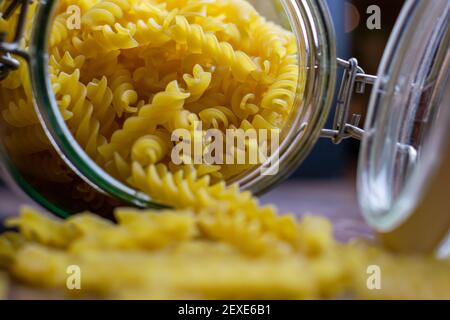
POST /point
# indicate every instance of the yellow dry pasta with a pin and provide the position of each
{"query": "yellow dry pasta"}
(179, 250)
(180, 254)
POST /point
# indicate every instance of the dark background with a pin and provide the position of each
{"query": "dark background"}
(329, 161)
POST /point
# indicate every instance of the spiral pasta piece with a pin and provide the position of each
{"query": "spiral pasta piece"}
(65, 63)
(246, 234)
(20, 114)
(281, 94)
(197, 83)
(60, 32)
(149, 32)
(215, 118)
(118, 167)
(223, 53)
(84, 124)
(151, 149)
(114, 38)
(101, 97)
(243, 102)
(181, 119)
(125, 96)
(161, 109)
(272, 42)
(106, 12)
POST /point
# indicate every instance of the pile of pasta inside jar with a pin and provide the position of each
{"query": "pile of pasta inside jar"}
(135, 71)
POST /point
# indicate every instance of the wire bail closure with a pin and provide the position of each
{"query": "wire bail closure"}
(354, 79)
(8, 49)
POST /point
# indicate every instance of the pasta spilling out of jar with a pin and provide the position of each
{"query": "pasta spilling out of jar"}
(207, 254)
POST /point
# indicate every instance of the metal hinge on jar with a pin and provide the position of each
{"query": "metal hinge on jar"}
(8, 50)
(345, 126)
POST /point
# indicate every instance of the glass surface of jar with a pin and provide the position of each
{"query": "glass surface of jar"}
(404, 159)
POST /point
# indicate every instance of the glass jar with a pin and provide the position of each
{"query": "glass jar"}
(404, 165)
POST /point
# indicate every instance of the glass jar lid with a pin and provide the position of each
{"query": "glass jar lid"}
(403, 168)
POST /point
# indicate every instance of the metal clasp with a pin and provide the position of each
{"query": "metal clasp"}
(354, 79)
(8, 49)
